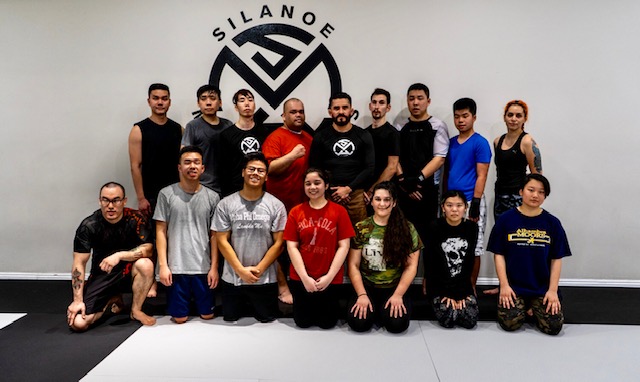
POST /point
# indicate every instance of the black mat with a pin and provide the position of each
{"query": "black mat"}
(40, 347)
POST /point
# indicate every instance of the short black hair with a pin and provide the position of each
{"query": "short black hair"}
(419, 86)
(190, 149)
(242, 92)
(465, 103)
(158, 86)
(206, 89)
(255, 156)
(453, 194)
(113, 184)
(380, 91)
(339, 95)
(540, 178)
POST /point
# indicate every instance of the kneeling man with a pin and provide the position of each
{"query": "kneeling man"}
(120, 240)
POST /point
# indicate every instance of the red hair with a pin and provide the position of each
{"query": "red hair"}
(517, 102)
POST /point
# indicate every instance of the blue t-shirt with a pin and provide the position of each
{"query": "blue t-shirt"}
(528, 245)
(462, 162)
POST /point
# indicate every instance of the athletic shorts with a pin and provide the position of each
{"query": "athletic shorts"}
(183, 288)
(100, 287)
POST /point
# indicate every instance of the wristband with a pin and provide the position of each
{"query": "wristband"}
(362, 294)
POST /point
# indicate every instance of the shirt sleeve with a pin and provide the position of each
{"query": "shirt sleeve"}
(483, 151)
(271, 148)
(220, 221)
(280, 219)
(441, 140)
(82, 241)
(161, 212)
(291, 228)
(187, 136)
(345, 228)
(369, 162)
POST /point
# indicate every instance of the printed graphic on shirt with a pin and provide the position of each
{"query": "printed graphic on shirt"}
(249, 145)
(344, 147)
(372, 252)
(530, 237)
(455, 248)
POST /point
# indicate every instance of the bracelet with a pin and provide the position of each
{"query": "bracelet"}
(362, 294)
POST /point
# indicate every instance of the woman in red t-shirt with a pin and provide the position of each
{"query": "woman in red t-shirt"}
(317, 234)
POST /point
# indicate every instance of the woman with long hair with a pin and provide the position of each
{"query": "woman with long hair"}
(528, 244)
(382, 264)
(317, 234)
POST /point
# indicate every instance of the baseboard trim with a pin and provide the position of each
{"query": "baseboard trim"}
(598, 283)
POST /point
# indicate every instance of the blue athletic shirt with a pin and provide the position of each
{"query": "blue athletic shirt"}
(462, 162)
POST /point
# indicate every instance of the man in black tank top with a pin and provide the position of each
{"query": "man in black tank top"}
(154, 144)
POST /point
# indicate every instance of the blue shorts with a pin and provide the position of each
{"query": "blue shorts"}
(180, 292)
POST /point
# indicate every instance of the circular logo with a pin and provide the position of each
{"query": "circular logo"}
(344, 147)
(249, 145)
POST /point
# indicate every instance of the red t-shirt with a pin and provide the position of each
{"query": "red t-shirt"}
(317, 233)
(288, 186)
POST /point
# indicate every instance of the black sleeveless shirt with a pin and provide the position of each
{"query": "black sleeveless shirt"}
(160, 154)
(511, 167)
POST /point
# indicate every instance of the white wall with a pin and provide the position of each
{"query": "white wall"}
(74, 76)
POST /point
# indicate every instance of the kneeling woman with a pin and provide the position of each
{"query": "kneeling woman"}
(448, 263)
(317, 234)
(382, 264)
(528, 244)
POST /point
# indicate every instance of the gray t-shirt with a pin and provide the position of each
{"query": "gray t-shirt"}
(251, 224)
(207, 137)
(188, 217)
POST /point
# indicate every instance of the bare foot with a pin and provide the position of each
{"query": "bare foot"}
(286, 297)
(492, 291)
(530, 312)
(153, 291)
(143, 318)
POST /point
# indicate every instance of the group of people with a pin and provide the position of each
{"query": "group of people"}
(304, 202)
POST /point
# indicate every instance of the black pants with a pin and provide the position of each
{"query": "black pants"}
(237, 301)
(317, 308)
(380, 316)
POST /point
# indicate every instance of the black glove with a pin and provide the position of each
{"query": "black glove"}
(413, 183)
(474, 209)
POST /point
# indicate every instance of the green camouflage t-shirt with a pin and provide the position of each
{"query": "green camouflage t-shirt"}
(374, 270)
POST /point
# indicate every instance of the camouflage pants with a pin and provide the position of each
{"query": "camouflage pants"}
(504, 203)
(513, 318)
(449, 317)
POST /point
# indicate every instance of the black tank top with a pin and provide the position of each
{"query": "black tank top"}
(160, 151)
(511, 167)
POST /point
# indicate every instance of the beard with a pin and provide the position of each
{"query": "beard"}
(341, 120)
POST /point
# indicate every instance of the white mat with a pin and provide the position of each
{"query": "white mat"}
(7, 319)
(250, 352)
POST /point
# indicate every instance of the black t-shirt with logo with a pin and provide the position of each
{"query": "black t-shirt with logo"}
(349, 156)
(235, 143)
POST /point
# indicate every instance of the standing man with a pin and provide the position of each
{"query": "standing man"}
(386, 140)
(346, 151)
(242, 138)
(204, 132)
(154, 144)
(424, 143)
(249, 226)
(287, 151)
(187, 250)
(468, 165)
(120, 240)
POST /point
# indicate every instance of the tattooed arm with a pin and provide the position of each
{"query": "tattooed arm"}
(530, 148)
(77, 284)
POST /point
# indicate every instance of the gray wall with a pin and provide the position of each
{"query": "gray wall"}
(74, 76)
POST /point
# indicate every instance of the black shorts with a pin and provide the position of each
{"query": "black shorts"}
(100, 287)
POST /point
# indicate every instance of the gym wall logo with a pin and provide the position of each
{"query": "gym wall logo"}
(269, 37)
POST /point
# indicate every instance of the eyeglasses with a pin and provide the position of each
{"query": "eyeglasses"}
(106, 201)
(259, 170)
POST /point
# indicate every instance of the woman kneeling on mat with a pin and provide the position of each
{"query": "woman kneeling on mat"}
(317, 235)
(448, 263)
(382, 264)
(528, 244)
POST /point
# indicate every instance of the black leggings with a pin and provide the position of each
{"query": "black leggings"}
(317, 308)
(380, 316)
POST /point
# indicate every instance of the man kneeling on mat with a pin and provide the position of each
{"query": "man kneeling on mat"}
(120, 240)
